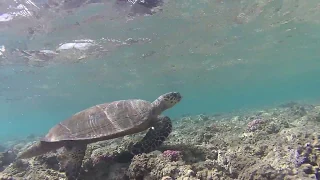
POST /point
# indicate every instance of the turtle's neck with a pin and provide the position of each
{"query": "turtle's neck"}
(158, 107)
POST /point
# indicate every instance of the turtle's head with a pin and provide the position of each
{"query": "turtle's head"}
(165, 102)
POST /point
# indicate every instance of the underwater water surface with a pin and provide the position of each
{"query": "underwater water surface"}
(221, 56)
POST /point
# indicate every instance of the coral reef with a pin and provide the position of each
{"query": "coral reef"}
(278, 143)
(6, 158)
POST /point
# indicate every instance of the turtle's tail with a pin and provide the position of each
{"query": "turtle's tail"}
(39, 148)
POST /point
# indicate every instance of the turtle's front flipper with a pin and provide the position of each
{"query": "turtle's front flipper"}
(155, 137)
(71, 160)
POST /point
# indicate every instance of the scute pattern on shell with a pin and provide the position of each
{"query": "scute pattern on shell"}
(102, 120)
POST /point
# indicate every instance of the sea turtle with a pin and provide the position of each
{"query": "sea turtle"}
(103, 122)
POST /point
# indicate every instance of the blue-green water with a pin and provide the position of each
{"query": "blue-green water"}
(219, 63)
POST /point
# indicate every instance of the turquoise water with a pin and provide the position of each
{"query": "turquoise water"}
(219, 61)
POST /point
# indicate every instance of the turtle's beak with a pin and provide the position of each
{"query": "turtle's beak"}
(178, 96)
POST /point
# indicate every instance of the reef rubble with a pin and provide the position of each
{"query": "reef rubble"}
(276, 143)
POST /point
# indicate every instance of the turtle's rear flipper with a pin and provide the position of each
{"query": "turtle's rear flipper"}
(39, 148)
(71, 160)
(154, 137)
